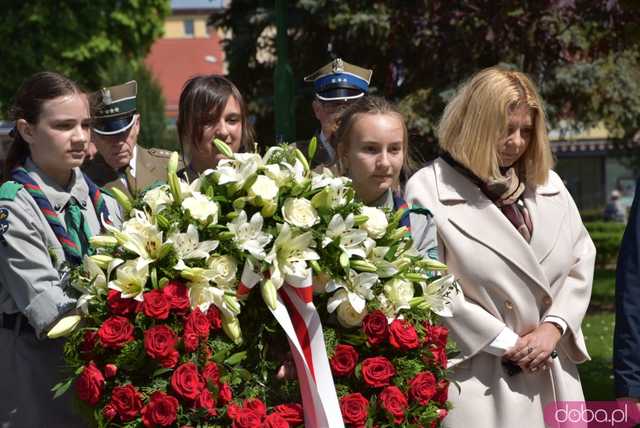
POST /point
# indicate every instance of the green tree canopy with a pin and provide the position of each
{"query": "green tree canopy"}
(75, 37)
(582, 53)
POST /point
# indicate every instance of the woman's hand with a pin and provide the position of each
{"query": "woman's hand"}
(533, 350)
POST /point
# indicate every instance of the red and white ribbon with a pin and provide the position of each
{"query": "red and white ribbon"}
(299, 318)
(248, 279)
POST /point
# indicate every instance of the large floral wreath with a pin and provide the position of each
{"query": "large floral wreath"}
(262, 294)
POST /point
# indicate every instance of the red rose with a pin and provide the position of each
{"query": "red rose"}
(256, 405)
(225, 394)
(187, 382)
(211, 373)
(115, 332)
(156, 305)
(170, 360)
(159, 341)
(161, 410)
(291, 413)
(90, 384)
(438, 357)
(232, 410)
(395, 402)
(374, 326)
(274, 420)
(198, 323)
(344, 360)
(88, 344)
(207, 402)
(436, 334)
(110, 370)
(422, 388)
(215, 318)
(377, 371)
(120, 306)
(403, 336)
(178, 296)
(246, 418)
(442, 391)
(109, 412)
(126, 400)
(190, 340)
(355, 409)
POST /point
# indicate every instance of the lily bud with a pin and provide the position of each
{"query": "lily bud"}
(223, 148)
(360, 219)
(416, 277)
(313, 146)
(103, 241)
(122, 199)
(397, 234)
(102, 260)
(301, 158)
(269, 294)
(162, 221)
(64, 327)
(231, 327)
(430, 264)
(315, 266)
(232, 303)
(344, 261)
(174, 186)
(268, 209)
(172, 165)
(363, 266)
(402, 263)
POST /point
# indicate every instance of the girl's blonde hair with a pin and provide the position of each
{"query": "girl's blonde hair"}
(476, 119)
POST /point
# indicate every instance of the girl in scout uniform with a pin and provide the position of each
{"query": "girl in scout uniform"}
(373, 150)
(48, 212)
(211, 106)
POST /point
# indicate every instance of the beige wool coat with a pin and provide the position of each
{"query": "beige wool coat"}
(505, 281)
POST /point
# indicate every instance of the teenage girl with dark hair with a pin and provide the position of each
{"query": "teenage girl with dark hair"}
(48, 212)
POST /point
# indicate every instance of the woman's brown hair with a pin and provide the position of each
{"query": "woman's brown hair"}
(202, 101)
(31, 96)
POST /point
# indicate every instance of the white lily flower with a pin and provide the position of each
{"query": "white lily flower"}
(188, 246)
(248, 236)
(436, 295)
(97, 284)
(202, 208)
(356, 290)
(139, 236)
(130, 280)
(351, 241)
(188, 189)
(158, 198)
(202, 295)
(281, 176)
(239, 169)
(289, 255)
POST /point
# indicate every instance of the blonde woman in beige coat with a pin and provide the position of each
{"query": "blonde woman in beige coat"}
(510, 232)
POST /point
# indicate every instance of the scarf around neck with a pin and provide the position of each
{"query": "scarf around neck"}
(505, 192)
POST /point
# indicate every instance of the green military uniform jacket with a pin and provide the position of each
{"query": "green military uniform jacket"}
(151, 167)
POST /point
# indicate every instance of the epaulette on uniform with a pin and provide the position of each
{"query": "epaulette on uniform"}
(160, 153)
(9, 190)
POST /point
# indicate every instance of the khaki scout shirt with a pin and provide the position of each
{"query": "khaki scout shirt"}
(31, 255)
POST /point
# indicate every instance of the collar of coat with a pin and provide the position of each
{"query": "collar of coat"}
(469, 210)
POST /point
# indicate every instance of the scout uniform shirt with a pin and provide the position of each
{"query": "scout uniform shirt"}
(30, 253)
(149, 166)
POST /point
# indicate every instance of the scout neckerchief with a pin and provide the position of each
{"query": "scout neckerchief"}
(72, 249)
(505, 192)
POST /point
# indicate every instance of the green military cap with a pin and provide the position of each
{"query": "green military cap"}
(116, 108)
(340, 81)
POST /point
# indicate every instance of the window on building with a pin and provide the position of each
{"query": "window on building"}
(188, 27)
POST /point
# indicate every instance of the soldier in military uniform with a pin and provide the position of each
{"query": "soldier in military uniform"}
(48, 211)
(120, 162)
(335, 86)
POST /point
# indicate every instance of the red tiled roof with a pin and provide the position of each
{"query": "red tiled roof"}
(173, 61)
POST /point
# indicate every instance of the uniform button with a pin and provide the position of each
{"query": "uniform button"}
(508, 305)
(546, 300)
(83, 203)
